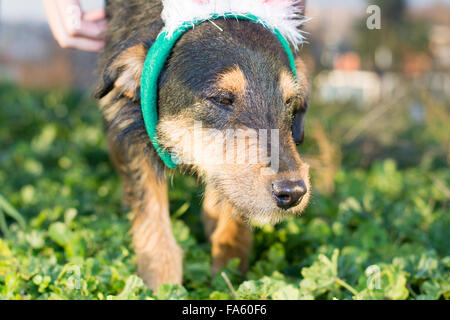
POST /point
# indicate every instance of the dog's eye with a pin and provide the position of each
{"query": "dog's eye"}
(223, 101)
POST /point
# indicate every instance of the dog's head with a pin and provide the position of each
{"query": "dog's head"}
(231, 109)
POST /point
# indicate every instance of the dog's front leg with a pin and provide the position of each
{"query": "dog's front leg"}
(159, 257)
(229, 235)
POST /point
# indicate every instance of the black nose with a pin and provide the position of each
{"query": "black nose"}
(288, 193)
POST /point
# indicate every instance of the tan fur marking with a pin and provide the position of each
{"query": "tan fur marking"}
(111, 110)
(288, 85)
(233, 81)
(229, 235)
(210, 214)
(302, 76)
(132, 63)
(159, 256)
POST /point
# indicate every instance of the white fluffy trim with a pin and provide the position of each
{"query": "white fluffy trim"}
(284, 15)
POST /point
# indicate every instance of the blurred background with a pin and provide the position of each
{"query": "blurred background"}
(377, 139)
(28, 54)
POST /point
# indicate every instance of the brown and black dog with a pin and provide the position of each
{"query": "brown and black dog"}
(233, 78)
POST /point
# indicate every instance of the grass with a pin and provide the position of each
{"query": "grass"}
(379, 232)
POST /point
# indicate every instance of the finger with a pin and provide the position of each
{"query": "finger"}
(95, 15)
(58, 29)
(74, 23)
(88, 29)
(54, 19)
(71, 14)
(84, 44)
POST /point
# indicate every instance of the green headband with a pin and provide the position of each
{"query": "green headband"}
(154, 64)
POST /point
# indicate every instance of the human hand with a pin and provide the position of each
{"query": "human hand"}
(72, 28)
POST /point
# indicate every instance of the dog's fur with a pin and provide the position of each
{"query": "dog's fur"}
(238, 78)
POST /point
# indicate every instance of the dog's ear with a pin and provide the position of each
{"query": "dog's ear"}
(123, 72)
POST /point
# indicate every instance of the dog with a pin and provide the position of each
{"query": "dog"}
(228, 76)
